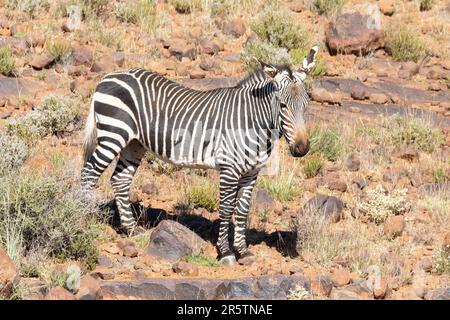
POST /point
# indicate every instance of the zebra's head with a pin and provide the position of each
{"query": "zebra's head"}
(292, 100)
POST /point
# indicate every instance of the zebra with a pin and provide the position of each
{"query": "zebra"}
(231, 129)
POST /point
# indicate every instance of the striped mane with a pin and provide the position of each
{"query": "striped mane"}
(258, 75)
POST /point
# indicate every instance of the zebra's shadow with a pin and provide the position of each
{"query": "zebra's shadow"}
(283, 241)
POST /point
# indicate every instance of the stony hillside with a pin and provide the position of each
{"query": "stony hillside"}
(365, 215)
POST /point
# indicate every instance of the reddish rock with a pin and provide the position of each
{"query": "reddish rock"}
(185, 269)
(406, 153)
(353, 163)
(349, 33)
(380, 289)
(197, 74)
(408, 69)
(59, 293)
(89, 289)
(82, 56)
(75, 71)
(209, 46)
(42, 61)
(5, 115)
(387, 7)
(130, 251)
(297, 6)
(36, 40)
(150, 188)
(394, 226)
(235, 27)
(358, 92)
(8, 273)
(180, 48)
(207, 64)
(321, 285)
(182, 70)
(337, 185)
(340, 277)
(321, 95)
(378, 98)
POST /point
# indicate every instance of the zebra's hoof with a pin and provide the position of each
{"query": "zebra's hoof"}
(247, 259)
(228, 260)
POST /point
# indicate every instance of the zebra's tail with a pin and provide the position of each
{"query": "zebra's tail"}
(90, 135)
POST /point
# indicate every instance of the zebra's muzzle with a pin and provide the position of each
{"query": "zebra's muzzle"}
(300, 148)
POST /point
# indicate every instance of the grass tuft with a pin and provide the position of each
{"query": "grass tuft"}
(7, 63)
(325, 141)
(204, 195)
(312, 165)
(404, 43)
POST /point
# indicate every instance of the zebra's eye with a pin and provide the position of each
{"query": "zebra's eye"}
(283, 105)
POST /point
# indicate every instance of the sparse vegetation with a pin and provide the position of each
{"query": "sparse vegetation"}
(14, 153)
(51, 116)
(204, 195)
(7, 63)
(99, 33)
(135, 12)
(59, 48)
(327, 7)
(31, 7)
(282, 187)
(299, 293)
(325, 141)
(159, 166)
(186, 6)
(93, 8)
(312, 165)
(380, 204)
(404, 44)
(265, 52)
(425, 5)
(280, 29)
(201, 259)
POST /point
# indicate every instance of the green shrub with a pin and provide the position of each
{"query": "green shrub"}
(46, 214)
(51, 116)
(265, 52)
(404, 44)
(327, 7)
(379, 204)
(442, 261)
(279, 28)
(59, 48)
(325, 141)
(204, 195)
(425, 5)
(135, 12)
(312, 165)
(31, 7)
(282, 187)
(14, 153)
(7, 63)
(202, 260)
(297, 56)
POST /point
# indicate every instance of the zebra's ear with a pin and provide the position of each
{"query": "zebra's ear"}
(309, 61)
(268, 69)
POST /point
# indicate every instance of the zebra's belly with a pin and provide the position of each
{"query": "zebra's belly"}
(207, 163)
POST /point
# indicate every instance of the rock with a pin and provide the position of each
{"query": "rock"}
(104, 261)
(297, 6)
(394, 226)
(337, 185)
(130, 251)
(341, 294)
(179, 48)
(321, 285)
(5, 115)
(387, 7)
(295, 269)
(340, 277)
(262, 200)
(207, 64)
(354, 33)
(173, 241)
(436, 86)
(36, 288)
(406, 153)
(73, 21)
(42, 61)
(89, 289)
(36, 40)
(185, 269)
(197, 74)
(98, 67)
(380, 289)
(360, 183)
(425, 264)
(182, 70)
(209, 46)
(150, 188)
(435, 73)
(321, 95)
(353, 163)
(75, 71)
(111, 248)
(358, 92)
(82, 56)
(329, 206)
(8, 273)
(59, 293)
(438, 294)
(378, 98)
(235, 28)
(103, 273)
(435, 187)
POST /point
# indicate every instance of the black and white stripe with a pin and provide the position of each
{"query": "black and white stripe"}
(229, 129)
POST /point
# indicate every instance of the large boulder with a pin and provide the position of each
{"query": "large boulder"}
(354, 33)
(329, 206)
(8, 273)
(171, 240)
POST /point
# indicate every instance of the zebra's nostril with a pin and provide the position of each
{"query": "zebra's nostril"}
(300, 149)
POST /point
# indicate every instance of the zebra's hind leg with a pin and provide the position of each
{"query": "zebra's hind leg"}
(246, 183)
(126, 167)
(228, 193)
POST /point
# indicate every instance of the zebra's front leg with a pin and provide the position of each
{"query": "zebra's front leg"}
(228, 193)
(246, 183)
(126, 167)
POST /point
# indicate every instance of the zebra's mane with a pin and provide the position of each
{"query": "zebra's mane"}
(258, 75)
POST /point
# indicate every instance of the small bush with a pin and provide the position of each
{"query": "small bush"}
(425, 5)
(201, 260)
(297, 56)
(312, 165)
(325, 141)
(327, 7)
(265, 52)
(7, 63)
(93, 7)
(282, 187)
(404, 43)
(280, 29)
(204, 195)
(298, 293)
(46, 214)
(135, 12)
(59, 48)
(31, 7)
(186, 6)
(51, 116)
(442, 261)
(99, 33)
(379, 204)
(439, 175)
(14, 153)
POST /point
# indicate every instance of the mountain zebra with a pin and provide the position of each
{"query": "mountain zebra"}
(228, 129)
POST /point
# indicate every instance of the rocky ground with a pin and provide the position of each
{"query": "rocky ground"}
(365, 216)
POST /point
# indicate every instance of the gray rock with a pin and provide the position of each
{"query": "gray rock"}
(329, 206)
(341, 294)
(262, 199)
(438, 294)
